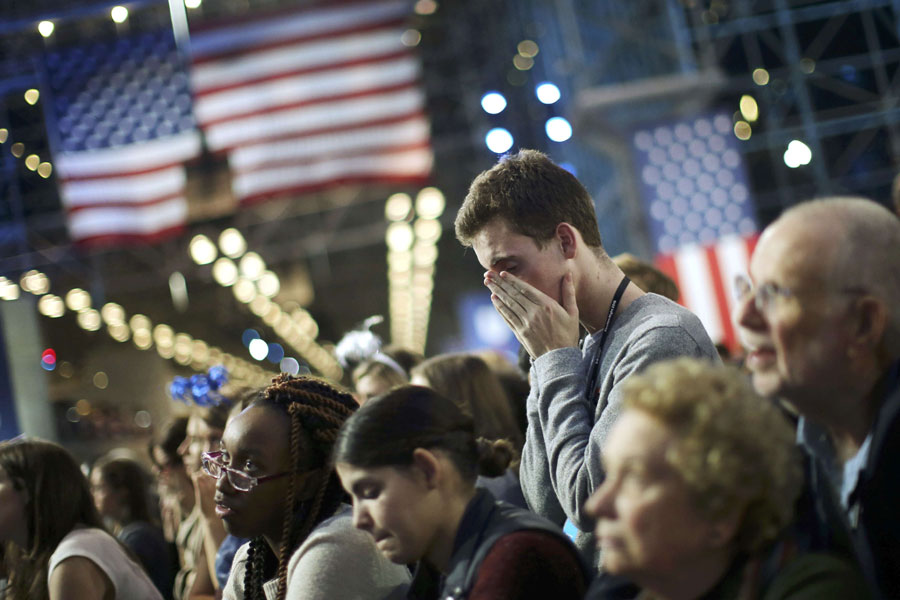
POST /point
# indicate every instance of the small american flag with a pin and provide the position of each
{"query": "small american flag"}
(699, 212)
(122, 109)
(313, 98)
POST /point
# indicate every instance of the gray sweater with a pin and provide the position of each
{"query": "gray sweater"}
(561, 461)
(336, 560)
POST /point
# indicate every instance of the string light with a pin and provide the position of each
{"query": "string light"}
(232, 243)
(202, 250)
(749, 108)
(523, 63)
(412, 253)
(426, 7)
(411, 37)
(760, 76)
(190, 351)
(254, 285)
(398, 207)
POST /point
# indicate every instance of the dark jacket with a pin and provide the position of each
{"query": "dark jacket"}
(484, 523)
(873, 513)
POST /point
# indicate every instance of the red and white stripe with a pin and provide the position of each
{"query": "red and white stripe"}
(313, 98)
(127, 192)
(705, 277)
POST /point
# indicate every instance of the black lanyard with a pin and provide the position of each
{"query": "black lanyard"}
(595, 363)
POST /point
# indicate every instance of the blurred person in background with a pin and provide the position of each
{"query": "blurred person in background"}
(122, 496)
(275, 484)
(468, 381)
(409, 459)
(701, 482)
(370, 367)
(646, 276)
(202, 532)
(895, 195)
(387, 368)
(514, 380)
(54, 543)
(173, 484)
(224, 557)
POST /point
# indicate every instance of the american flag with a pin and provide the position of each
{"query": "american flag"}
(699, 212)
(313, 98)
(122, 110)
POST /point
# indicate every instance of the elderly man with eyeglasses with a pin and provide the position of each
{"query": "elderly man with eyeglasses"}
(820, 318)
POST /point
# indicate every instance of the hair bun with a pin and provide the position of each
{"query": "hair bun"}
(494, 456)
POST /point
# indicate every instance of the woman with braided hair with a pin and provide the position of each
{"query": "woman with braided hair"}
(276, 486)
(409, 459)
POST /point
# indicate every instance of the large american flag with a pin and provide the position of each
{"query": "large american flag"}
(312, 98)
(699, 211)
(122, 110)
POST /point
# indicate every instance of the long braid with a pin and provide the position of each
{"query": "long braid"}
(317, 410)
(287, 527)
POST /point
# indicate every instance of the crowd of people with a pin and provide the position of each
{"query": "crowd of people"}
(462, 475)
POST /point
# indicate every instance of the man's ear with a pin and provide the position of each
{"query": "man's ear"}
(869, 322)
(428, 466)
(568, 239)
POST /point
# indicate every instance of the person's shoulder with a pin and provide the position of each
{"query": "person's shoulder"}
(655, 310)
(339, 525)
(240, 554)
(86, 537)
(657, 321)
(817, 576)
(334, 548)
(534, 540)
(335, 534)
(533, 564)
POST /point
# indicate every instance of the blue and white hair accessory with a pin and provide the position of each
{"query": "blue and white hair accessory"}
(200, 389)
(359, 345)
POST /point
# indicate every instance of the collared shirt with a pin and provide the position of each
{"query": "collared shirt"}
(844, 477)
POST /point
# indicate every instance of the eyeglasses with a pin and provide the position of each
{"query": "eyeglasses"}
(239, 480)
(763, 296)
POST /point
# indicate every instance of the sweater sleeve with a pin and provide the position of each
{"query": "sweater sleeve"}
(534, 469)
(529, 564)
(572, 435)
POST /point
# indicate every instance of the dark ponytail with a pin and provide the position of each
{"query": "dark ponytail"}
(387, 430)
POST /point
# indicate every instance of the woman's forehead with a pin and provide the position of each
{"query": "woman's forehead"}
(257, 430)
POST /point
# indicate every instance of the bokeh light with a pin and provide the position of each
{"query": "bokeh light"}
(547, 93)
(119, 14)
(493, 103)
(498, 140)
(558, 129)
(258, 348)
